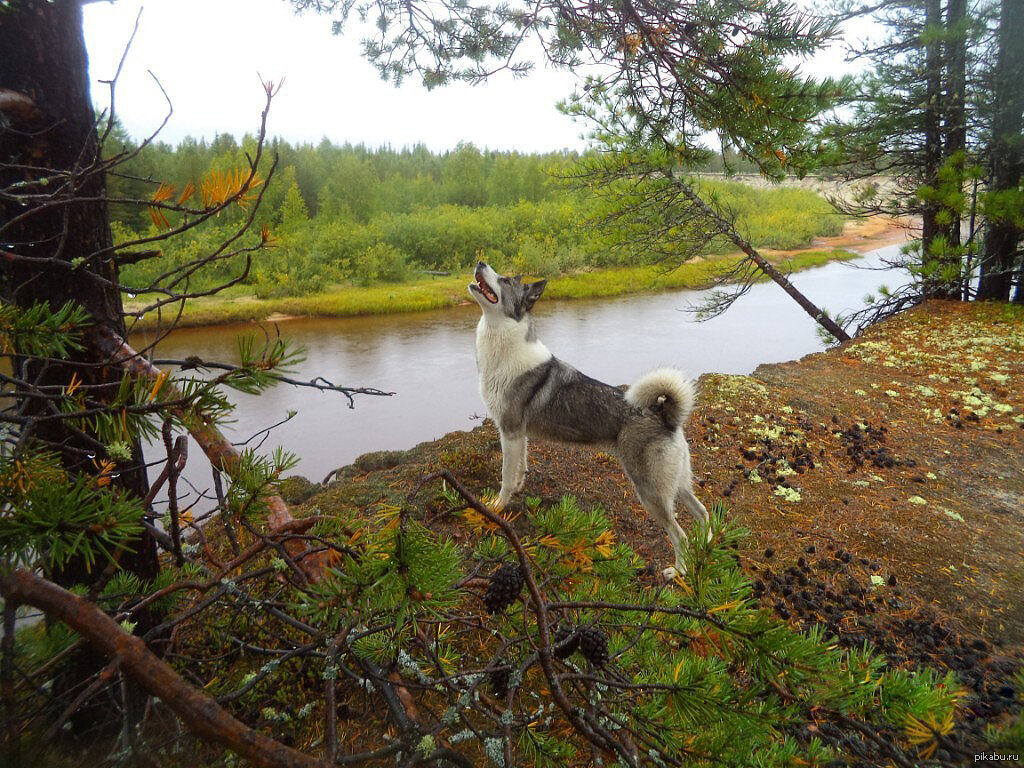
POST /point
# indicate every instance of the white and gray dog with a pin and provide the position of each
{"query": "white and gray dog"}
(531, 393)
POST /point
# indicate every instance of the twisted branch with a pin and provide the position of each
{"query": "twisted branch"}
(199, 712)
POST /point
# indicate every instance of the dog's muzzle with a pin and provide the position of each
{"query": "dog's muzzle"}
(482, 287)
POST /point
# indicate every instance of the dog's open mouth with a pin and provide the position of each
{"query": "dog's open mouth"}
(485, 289)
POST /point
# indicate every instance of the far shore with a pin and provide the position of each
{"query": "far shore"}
(438, 292)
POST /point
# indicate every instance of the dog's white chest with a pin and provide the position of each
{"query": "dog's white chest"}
(502, 355)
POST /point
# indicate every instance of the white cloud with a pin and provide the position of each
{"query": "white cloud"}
(209, 55)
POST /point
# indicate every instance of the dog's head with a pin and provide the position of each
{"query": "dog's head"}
(506, 296)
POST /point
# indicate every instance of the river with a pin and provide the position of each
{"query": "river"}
(427, 359)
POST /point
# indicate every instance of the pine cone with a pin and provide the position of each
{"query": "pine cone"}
(565, 641)
(506, 584)
(594, 645)
(499, 681)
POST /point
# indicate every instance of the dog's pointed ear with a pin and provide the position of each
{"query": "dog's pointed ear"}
(533, 292)
(517, 279)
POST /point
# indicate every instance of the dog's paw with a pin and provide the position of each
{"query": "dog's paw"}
(671, 573)
(494, 503)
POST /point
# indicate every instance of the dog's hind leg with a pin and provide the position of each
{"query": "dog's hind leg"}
(697, 510)
(662, 510)
(513, 467)
(684, 488)
(657, 464)
(657, 492)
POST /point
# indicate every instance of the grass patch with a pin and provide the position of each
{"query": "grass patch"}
(440, 292)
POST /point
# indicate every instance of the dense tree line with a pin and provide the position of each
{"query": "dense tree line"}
(354, 214)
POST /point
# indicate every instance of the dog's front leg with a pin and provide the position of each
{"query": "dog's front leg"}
(521, 468)
(513, 467)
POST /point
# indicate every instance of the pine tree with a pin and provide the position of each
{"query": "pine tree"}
(294, 213)
(924, 114)
(1004, 201)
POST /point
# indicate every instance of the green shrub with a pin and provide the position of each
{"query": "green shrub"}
(381, 262)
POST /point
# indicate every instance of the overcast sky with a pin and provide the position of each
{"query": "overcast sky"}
(209, 54)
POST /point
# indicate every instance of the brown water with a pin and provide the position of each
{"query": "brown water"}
(427, 359)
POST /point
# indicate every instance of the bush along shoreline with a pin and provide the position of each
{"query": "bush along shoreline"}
(441, 291)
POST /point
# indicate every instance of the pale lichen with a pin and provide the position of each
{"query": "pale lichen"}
(787, 494)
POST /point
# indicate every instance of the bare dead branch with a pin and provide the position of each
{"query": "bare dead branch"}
(222, 454)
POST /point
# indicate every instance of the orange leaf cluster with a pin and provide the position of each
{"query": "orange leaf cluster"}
(660, 35)
(106, 467)
(162, 194)
(924, 733)
(20, 479)
(605, 543)
(477, 522)
(73, 385)
(158, 385)
(266, 238)
(578, 558)
(220, 186)
(631, 43)
(217, 188)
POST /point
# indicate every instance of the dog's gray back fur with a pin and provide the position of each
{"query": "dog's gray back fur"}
(556, 401)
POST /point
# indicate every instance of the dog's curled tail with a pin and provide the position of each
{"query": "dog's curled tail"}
(666, 391)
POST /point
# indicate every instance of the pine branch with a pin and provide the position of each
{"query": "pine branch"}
(588, 727)
(200, 713)
(318, 383)
(222, 454)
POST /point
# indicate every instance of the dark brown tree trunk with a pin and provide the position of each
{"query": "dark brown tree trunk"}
(930, 229)
(55, 238)
(956, 79)
(954, 134)
(56, 221)
(1003, 239)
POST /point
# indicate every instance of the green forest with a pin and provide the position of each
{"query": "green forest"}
(354, 215)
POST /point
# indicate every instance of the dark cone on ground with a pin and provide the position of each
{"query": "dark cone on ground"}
(499, 681)
(594, 646)
(565, 641)
(506, 584)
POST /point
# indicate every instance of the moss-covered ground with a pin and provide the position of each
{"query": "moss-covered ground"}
(883, 482)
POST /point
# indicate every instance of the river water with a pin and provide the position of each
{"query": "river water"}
(427, 359)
